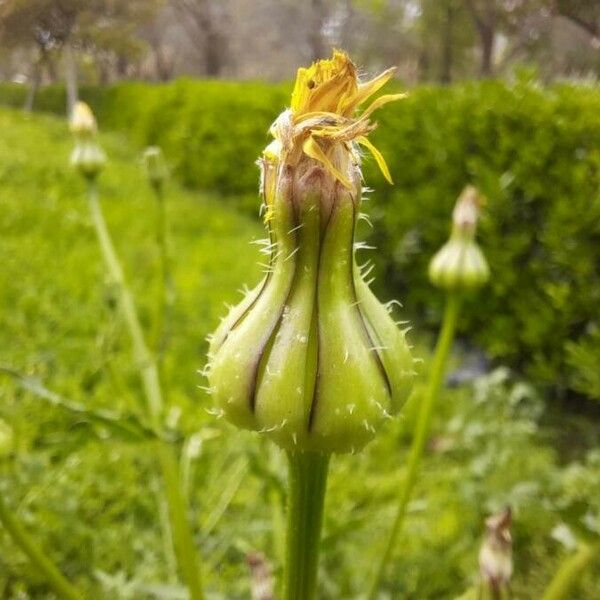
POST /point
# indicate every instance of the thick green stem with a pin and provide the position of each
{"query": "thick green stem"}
(434, 383)
(185, 550)
(307, 485)
(36, 555)
(568, 573)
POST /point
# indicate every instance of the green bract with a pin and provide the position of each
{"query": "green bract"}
(310, 357)
(88, 158)
(154, 165)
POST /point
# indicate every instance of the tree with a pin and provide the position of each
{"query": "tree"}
(67, 26)
(44, 24)
(203, 20)
(584, 13)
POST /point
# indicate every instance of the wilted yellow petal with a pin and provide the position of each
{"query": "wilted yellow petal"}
(379, 102)
(324, 85)
(367, 89)
(363, 141)
(321, 121)
(312, 149)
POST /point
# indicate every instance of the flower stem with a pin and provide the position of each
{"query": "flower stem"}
(568, 573)
(36, 555)
(183, 541)
(307, 485)
(166, 285)
(434, 383)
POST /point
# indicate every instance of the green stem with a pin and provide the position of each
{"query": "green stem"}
(36, 555)
(307, 485)
(185, 550)
(166, 291)
(434, 383)
(567, 574)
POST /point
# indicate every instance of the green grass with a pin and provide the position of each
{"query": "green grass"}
(92, 497)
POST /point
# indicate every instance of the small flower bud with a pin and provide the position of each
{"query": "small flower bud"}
(87, 156)
(495, 556)
(310, 357)
(6, 439)
(155, 166)
(460, 264)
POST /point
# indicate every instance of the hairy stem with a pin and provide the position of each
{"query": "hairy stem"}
(307, 485)
(185, 550)
(568, 573)
(434, 383)
(36, 555)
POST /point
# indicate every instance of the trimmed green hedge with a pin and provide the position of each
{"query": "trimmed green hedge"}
(534, 152)
(536, 156)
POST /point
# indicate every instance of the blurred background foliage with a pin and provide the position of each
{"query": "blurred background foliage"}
(503, 95)
(534, 153)
(91, 493)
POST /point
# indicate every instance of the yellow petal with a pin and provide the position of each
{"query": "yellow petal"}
(326, 95)
(379, 102)
(363, 141)
(301, 90)
(312, 149)
(325, 84)
(367, 89)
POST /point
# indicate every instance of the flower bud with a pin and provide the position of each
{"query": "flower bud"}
(261, 578)
(87, 156)
(310, 357)
(6, 439)
(495, 556)
(155, 166)
(460, 264)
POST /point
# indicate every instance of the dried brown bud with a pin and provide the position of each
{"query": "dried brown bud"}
(495, 556)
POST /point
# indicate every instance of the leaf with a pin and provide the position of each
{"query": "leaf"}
(124, 426)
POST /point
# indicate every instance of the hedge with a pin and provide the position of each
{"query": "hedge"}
(533, 151)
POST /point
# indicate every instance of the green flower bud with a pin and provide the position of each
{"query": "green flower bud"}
(460, 264)
(310, 357)
(155, 166)
(6, 439)
(87, 156)
(495, 556)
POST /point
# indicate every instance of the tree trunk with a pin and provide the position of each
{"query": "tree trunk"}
(213, 53)
(447, 54)
(48, 62)
(70, 66)
(488, 39)
(485, 18)
(36, 78)
(423, 65)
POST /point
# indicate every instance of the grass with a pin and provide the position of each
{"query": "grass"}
(92, 495)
